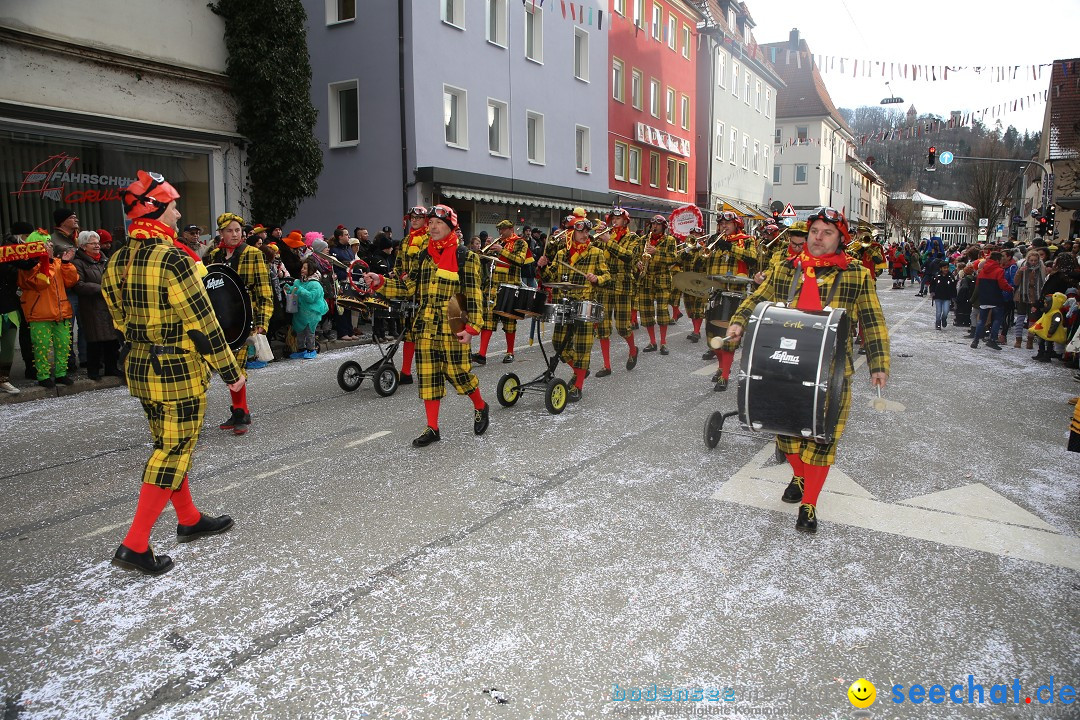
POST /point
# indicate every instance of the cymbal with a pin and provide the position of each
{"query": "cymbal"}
(694, 284)
(731, 279)
(564, 286)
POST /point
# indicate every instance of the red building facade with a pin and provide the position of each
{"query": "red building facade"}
(652, 89)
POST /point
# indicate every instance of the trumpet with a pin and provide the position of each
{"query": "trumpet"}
(689, 244)
(709, 248)
(772, 242)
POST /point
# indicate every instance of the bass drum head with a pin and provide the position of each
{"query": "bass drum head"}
(229, 298)
(836, 374)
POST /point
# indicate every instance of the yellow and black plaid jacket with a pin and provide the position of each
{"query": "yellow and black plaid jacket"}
(411, 250)
(250, 265)
(507, 268)
(622, 256)
(743, 247)
(857, 294)
(657, 275)
(432, 291)
(593, 260)
(163, 302)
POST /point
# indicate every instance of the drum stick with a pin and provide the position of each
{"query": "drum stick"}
(568, 265)
(879, 402)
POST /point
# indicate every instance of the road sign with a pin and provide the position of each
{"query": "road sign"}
(945, 157)
(788, 211)
(984, 222)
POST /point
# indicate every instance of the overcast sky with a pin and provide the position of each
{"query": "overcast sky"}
(944, 32)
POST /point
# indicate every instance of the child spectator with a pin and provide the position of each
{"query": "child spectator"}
(942, 287)
(48, 311)
(965, 287)
(311, 308)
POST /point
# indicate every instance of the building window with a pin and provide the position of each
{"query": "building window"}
(684, 109)
(768, 102)
(617, 83)
(731, 19)
(764, 159)
(339, 11)
(654, 97)
(754, 160)
(453, 13)
(498, 128)
(582, 149)
(684, 172)
(635, 88)
(534, 129)
(757, 95)
(800, 174)
(669, 106)
(778, 136)
(719, 141)
(746, 151)
(534, 33)
(581, 54)
(672, 31)
(776, 174)
(619, 162)
(657, 21)
(654, 169)
(746, 87)
(620, 7)
(344, 113)
(721, 68)
(639, 13)
(686, 41)
(733, 141)
(496, 22)
(672, 169)
(634, 161)
(735, 75)
(455, 117)
(801, 134)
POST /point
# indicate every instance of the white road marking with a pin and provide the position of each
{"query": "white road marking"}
(105, 529)
(282, 469)
(972, 516)
(369, 438)
(218, 491)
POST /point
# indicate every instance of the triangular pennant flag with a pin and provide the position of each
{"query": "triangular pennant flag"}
(573, 11)
(563, 3)
(599, 19)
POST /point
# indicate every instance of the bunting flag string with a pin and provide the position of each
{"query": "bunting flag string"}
(924, 72)
(577, 13)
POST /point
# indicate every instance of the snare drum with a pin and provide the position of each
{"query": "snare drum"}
(722, 305)
(530, 302)
(506, 301)
(588, 311)
(560, 313)
(793, 366)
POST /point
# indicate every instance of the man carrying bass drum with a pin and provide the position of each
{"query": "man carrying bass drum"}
(823, 264)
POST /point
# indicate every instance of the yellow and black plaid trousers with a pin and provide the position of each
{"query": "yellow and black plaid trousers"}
(858, 295)
(622, 251)
(654, 285)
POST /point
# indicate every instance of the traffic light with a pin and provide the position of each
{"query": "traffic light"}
(1041, 225)
(1050, 220)
(931, 159)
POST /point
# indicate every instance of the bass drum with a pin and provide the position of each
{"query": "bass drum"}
(793, 365)
(231, 304)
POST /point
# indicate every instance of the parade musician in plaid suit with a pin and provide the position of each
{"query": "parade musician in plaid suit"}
(654, 282)
(573, 341)
(689, 253)
(158, 302)
(250, 265)
(823, 263)
(414, 243)
(622, 250)
(442, 270)
(511, 253)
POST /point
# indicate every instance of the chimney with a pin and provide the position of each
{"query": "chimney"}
(793, 38)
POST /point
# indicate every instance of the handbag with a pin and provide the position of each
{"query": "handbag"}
(262, 348)
(292, 303)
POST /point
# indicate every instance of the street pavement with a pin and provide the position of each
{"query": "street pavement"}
(560, 566)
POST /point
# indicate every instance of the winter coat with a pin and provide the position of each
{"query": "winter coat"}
(44, 299)
(990, 282)
(94, 317)
(312, 304)
(1029, 284)
(942, 287)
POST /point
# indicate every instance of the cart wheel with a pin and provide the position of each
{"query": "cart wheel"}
(555, 397)
(386, 381)
(714, 428)
(509, 390)
(350, 375)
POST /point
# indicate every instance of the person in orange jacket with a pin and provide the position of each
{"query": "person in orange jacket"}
(47, 310)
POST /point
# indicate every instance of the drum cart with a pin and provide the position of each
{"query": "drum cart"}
(554, 389)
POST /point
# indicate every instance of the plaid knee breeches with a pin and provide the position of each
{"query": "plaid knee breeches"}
(175, 427)
(618, 304)
(573, 342)
(695, 306)
(653, 307)
(816, 453)
(440, 361)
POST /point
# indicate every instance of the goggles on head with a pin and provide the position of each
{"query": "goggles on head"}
(418, 211)
(585, 225)
(728, 216)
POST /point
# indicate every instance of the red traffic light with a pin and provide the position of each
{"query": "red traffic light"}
(931, 158)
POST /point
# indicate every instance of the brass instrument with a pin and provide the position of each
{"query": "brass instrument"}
(709, 248)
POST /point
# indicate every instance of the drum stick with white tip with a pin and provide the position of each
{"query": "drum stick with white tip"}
(568, 265)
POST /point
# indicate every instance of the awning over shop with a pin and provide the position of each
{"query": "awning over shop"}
(743, 208)
(498, 198)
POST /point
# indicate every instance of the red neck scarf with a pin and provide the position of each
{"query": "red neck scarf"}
(809, 298)
(186, 250)
(145, 228)
(577, 249)
(618, 233)
(655, 239)
(413, 242)
(96, 257)
(444, 254)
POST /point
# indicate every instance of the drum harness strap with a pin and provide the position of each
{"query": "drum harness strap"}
(795, 286)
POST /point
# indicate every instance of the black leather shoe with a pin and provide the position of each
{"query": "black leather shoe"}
(793, 492)
(478, 359)
(206, 526)
(574, 395)
(405, 380)
(230, 422)
(429, 436)
(66, 380)
(243, 420)
(603, 372)
(708, 355)
(631, 362)
(992, 345)
(144, 562)
(720, 386)
(508, 358)
(46, 383)
(807, 520)
(975, 343)
(664, 350)
(693, 337)
(651, 347)
(480, 420)
(717, 375)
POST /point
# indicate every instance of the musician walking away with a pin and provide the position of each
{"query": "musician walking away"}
(414, 243)
(441, 271)
(654, 284)
(248, 263)
(620, 247)
(573, 341)
(511, 254)
(734, 253)
(823, 273)
(159, 304)
(688, 258)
